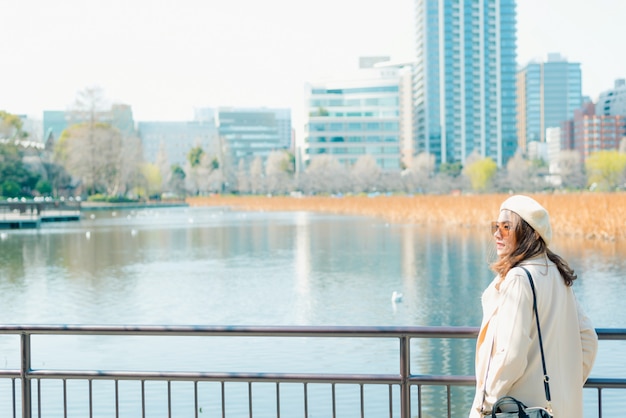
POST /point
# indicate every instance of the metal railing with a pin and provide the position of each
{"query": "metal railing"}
(403, 388)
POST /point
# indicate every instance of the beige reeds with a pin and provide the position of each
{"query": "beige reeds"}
(584, 215)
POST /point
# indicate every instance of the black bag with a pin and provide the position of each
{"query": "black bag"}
(522, 410)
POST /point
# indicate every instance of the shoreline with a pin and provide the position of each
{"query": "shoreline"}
(592, 216)
(96, 206)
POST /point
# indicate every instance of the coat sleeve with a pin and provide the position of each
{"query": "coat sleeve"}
(512, 337)
(589, 341)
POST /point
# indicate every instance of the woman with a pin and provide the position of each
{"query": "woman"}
(508, 359)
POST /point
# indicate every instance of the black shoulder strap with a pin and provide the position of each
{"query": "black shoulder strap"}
(546, 379)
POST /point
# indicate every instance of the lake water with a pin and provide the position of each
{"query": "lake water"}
(207, 266)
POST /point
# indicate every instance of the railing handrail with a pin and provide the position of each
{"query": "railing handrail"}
(248, 331)
(403, 333)
(274, 330)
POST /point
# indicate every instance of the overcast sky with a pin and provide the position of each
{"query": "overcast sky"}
(166, 57)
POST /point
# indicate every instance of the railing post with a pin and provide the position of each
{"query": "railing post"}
(25, 369)
(405, 371)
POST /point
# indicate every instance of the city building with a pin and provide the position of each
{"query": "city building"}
(464, 81)
(55, 122)
(613, 102)
(588, 132)
(537, 151)
(32, 127)
(360, 114)
(548, 93)
(553, 146)
(248, 133)
(176, 139)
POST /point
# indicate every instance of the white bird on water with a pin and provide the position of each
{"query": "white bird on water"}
(396, 297)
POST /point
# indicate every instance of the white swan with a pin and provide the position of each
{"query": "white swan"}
(396, 297)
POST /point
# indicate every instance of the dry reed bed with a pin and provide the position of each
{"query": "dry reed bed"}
(584, 215)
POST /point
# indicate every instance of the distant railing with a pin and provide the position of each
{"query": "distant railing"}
(28, 395)
(25, 214)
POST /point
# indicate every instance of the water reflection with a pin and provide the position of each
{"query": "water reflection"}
(212, 266)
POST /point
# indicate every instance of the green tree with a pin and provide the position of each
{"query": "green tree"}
(480, 173)
(44, 187)
(194, 156)
(14, 173)
(605, 169)
(9, 188)
(11, 126)
(152, 179)
(177, 180)
(451, 169)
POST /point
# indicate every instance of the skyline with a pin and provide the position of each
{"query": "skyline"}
(166, 58)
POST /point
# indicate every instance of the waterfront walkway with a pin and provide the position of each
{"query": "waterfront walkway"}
(30, 214)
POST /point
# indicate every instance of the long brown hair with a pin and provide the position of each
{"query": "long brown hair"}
(529, 244)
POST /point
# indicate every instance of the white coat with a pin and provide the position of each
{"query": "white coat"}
(508, 334)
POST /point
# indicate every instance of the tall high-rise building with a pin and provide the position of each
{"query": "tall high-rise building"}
(548, 94)
(464, 82)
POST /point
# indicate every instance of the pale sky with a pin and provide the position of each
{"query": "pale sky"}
(166, 57)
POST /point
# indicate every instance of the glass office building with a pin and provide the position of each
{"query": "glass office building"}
(464, 81)
(548, 94)
(254, 132)
(355, 116)
(176, 139)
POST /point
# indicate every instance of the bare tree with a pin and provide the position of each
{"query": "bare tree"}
(325, 175)
(129, 161)
(257, 182)
(390, 181)
(203, 174)
(279, 172)
(88, 107)
(94, 154)
(518, 174)
(365, 174)
(104, 159)
(162, 163)
(243, 181)
(571, 169)
(418, 175)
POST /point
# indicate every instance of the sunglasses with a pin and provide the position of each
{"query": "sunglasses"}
(504, 228)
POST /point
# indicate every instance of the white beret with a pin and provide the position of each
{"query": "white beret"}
(532, 212)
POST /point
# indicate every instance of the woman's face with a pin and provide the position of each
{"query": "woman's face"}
(504, 233)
